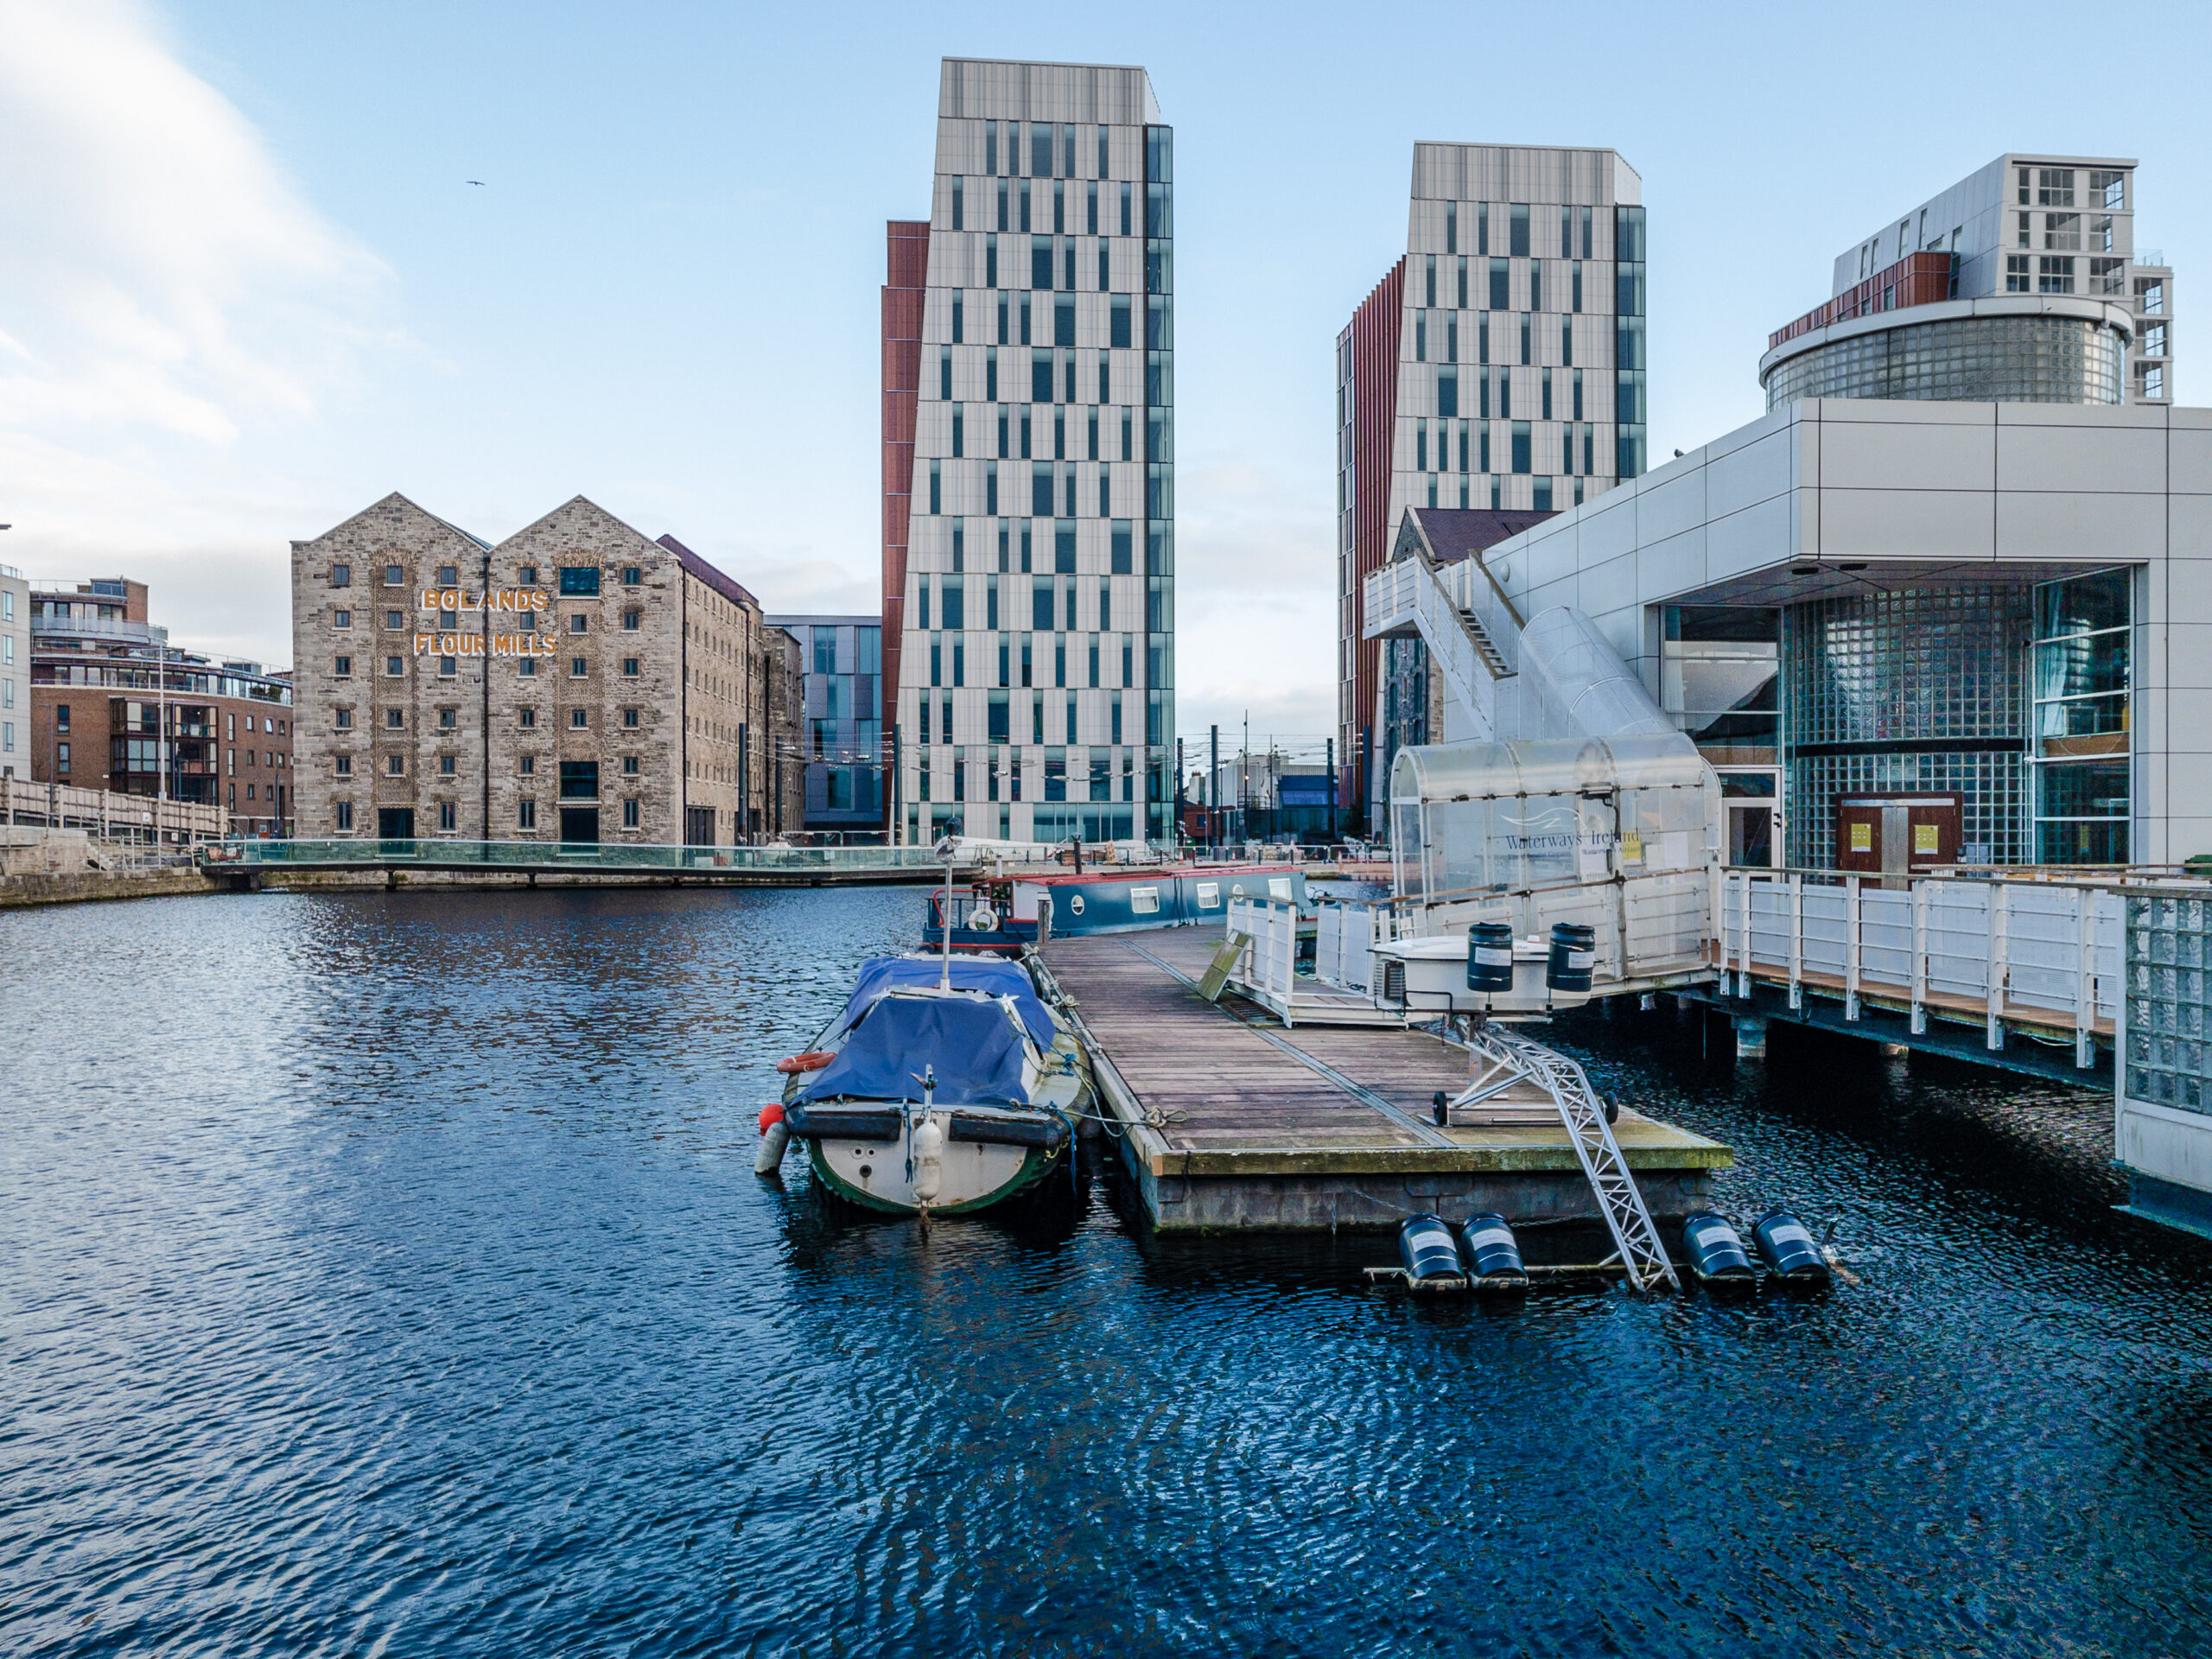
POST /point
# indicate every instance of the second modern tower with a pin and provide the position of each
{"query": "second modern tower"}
(1029, 497)
(1497, 367)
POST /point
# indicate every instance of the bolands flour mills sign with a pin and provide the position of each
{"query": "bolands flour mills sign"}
(523, 604)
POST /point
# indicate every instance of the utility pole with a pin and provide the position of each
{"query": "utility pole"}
(1179, 791)
(1244, 783)
(1213, 788)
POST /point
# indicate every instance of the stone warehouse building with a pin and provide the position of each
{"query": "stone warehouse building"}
(577, 682)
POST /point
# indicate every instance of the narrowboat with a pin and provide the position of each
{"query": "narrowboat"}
(1002, 914)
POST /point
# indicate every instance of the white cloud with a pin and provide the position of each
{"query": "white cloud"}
(163, 287)
(1256, 622)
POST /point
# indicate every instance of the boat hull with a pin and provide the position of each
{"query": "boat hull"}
(972, 1175)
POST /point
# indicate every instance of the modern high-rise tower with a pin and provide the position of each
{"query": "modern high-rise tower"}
(1029, 497)
(1498, 368)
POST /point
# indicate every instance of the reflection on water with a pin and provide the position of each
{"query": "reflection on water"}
(388, 1274)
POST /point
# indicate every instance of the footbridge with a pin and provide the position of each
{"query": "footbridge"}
(248, 862)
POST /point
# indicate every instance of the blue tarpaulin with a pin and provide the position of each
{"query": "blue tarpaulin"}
(972, 1046)
(879, 974)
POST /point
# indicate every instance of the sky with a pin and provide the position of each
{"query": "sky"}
(246, 290)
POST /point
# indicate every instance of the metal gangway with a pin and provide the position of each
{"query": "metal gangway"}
(1507, 1058)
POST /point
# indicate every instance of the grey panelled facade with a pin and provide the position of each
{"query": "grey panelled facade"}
(2045, 226)
(577, 682)
(1035, 669)
(2005, 603)
(841, 733)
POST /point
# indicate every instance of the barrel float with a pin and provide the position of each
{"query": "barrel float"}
(1788, 1250)
(1716, 1248)
(1490, 957)
(1428, 1253)
(1574, 956)
(1491, 1255)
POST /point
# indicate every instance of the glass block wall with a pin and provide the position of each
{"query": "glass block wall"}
(1922, 688)
(2169, 946)
(2020, 359)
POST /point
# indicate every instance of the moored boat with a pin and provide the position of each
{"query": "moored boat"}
(943, 1087)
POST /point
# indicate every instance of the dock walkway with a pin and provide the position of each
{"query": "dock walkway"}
(1231, 1121)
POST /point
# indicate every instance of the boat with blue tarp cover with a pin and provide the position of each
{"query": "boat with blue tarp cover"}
(945, 1085)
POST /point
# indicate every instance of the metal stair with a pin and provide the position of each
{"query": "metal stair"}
(1493, 658)
(1642, 1255)
(1460, 613)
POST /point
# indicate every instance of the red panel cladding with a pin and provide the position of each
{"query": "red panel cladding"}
(1374, 335)
(1917, 279)
(905, 278)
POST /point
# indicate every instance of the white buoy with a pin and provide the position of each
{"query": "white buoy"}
(775, 1135)
(929, 1160)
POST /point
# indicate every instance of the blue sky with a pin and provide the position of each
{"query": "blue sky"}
(244, 289)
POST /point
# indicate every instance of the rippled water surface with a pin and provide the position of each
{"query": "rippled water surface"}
(388, 1275)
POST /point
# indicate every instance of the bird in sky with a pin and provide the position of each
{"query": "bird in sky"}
(474, 181)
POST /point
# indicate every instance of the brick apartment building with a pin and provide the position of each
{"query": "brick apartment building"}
(102, 679)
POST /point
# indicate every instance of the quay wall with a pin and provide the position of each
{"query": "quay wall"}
(78, 886)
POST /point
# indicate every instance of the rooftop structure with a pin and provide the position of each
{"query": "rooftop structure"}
(2021, 284)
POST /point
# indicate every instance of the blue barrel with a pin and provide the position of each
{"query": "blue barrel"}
(1427, 1250)
(1574, 954)
(1716, 1248)
(1788, 1250)
(1490, 957)
(1491, 1255)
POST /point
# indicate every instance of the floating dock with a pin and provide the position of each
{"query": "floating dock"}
(1228, 1120)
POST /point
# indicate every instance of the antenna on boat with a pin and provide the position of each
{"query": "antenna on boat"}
(945, 848)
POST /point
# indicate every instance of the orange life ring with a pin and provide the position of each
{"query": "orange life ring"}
(813, 1060)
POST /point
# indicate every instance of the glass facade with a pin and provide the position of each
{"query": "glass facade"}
(841, 731)
(2084, 635)
(2022, 360)
(2168, 1000)
(1719, 666)
(1921, 690)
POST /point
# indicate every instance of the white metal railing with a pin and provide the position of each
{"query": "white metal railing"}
(2048, 952)
(1344, 938)
(108, 815)
(1473, 590)
(1269, 965)
(1406, 594)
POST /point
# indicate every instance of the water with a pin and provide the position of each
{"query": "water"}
(386, 1275)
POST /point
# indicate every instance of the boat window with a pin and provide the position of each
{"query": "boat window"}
(1145, 901)
(1278, 887)
(1209, 895)
(1075, 905)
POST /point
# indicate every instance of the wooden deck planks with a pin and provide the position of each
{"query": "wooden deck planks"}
(1220, 1086)
(1216, 1080)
